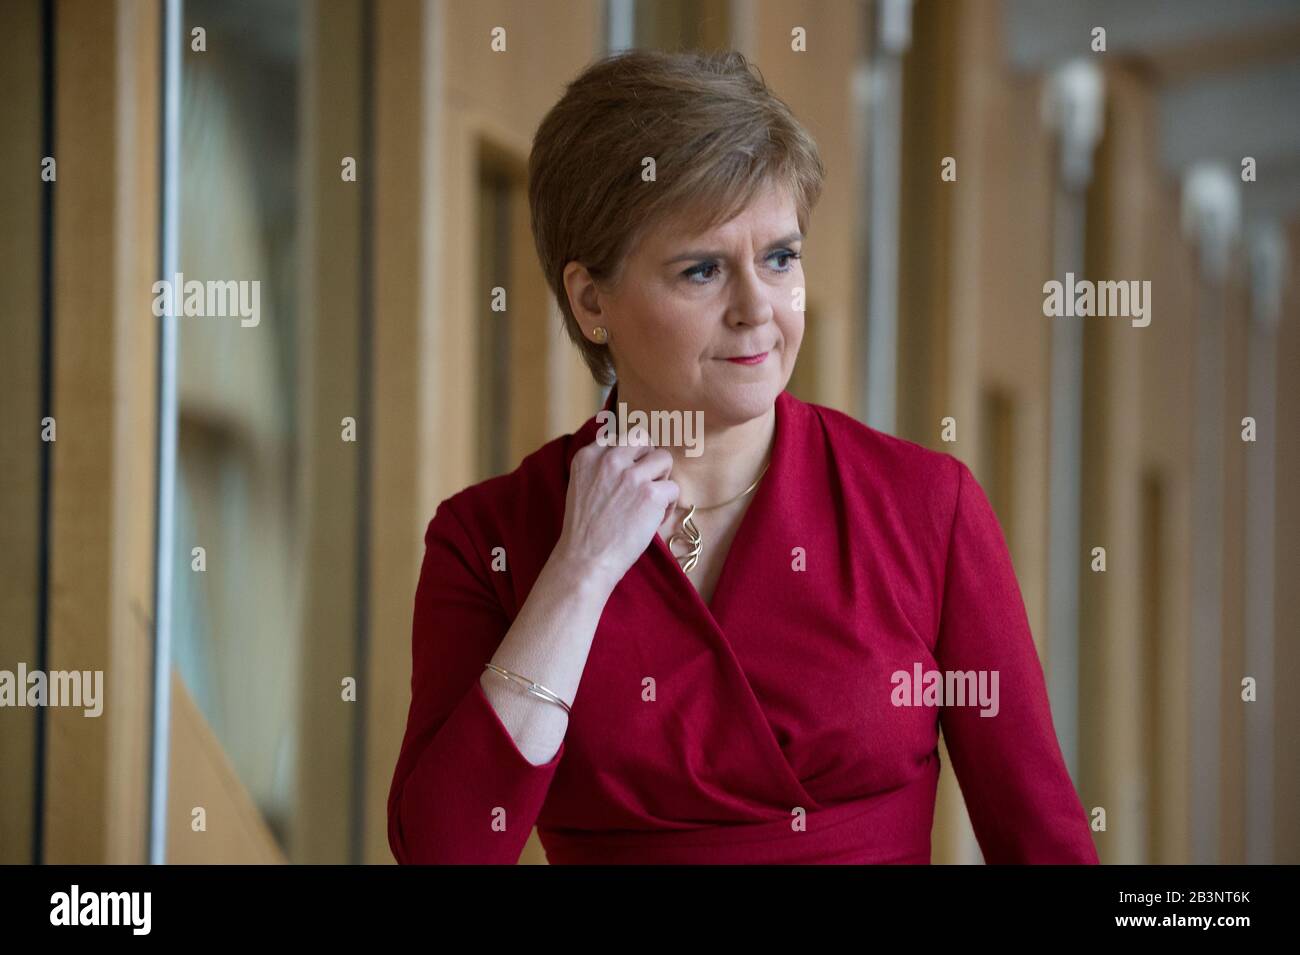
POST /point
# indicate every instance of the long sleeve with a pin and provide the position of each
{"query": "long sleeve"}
(459, 769)
(1021, 800)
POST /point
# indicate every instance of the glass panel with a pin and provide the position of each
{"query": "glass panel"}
(24, 380)
(803, 377)
(683, 24)
(1154, 731)
(997, 458)
(266, 549)
(494, 326)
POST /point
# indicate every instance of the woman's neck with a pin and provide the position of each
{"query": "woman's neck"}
(729, 457)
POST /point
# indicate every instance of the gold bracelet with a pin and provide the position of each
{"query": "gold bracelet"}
(533, 687)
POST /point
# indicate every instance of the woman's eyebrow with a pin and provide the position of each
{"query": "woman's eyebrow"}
(706, 254)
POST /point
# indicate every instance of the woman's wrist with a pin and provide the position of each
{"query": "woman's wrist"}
(579, 574)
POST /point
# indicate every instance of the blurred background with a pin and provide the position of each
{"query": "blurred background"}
(976, 149)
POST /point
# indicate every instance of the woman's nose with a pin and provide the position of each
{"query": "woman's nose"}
(751, 303)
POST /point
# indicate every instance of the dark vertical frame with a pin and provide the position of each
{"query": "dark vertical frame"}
(493, 332)
(47, 410)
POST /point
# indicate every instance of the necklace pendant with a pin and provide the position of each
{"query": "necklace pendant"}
(690, 535)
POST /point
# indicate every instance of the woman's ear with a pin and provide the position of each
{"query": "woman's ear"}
(584, 298)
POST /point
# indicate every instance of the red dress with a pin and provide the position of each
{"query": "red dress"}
(776, 734)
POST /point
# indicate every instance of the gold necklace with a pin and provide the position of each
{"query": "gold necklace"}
(689, 533)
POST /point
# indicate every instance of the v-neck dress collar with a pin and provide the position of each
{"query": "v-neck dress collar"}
(758, 513)
(729, 615)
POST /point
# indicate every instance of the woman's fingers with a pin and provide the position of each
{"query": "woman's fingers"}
(618, 498)
(654, 466)
(635, 446)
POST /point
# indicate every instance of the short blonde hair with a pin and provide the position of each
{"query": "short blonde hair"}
(717, 135)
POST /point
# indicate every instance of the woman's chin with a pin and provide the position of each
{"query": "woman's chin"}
(738, 402)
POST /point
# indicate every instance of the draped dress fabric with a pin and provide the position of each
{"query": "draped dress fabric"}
(760, 727)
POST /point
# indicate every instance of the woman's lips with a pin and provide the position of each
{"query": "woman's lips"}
(749, 359)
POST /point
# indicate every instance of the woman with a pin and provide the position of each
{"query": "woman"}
(739, 655)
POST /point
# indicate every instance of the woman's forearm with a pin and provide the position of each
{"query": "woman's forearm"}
(548, 643)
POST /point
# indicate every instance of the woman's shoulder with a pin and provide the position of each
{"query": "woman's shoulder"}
(915, 490)
(892, 460)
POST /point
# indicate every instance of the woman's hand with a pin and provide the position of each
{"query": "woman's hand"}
(618, 496)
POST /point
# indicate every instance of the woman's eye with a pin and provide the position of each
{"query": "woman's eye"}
(787, 254)
(701, 274)
(698, 270)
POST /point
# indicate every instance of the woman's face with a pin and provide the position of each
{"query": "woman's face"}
(687, 306)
